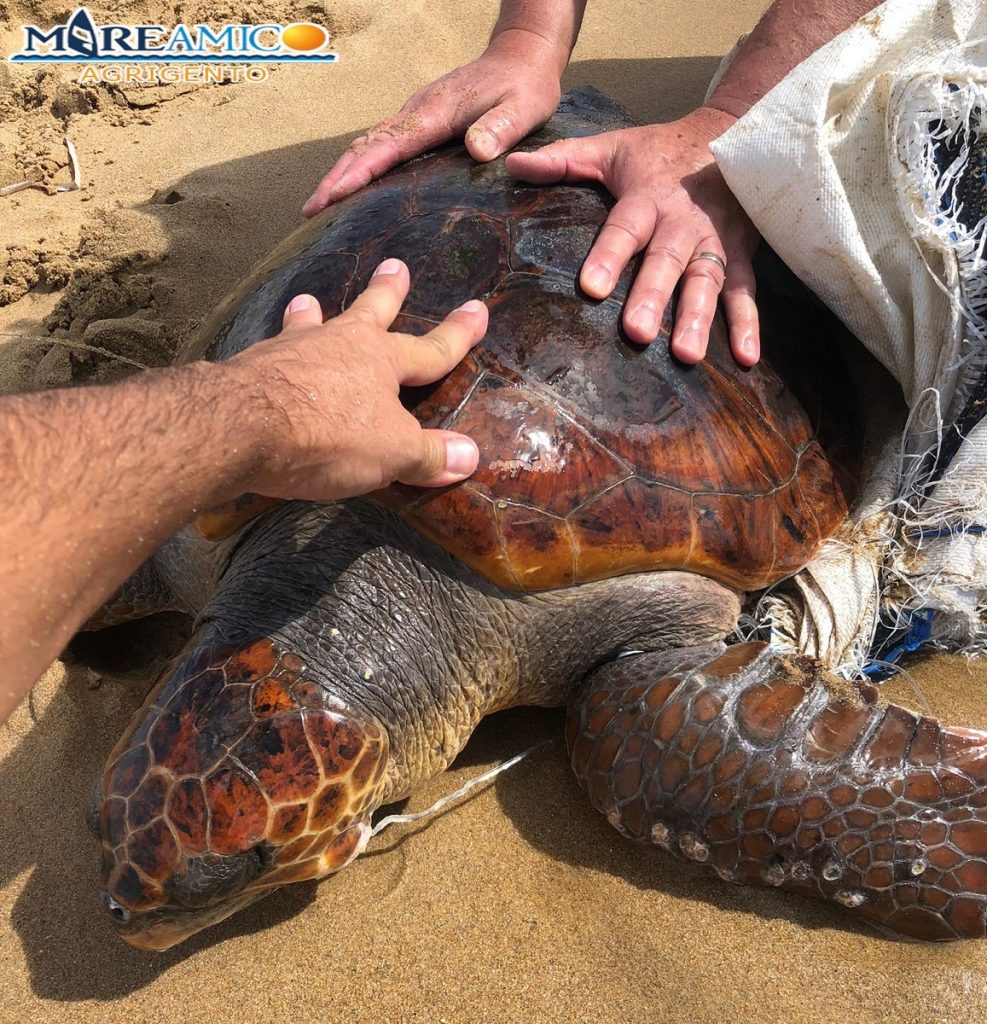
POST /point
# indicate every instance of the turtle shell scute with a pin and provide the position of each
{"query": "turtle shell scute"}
(597, 456)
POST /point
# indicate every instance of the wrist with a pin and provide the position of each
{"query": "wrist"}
(530, 46)
(266, 428)
(727, 102)
(711, 120)
(241, 435)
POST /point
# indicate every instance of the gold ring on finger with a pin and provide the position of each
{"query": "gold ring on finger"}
(710, 256)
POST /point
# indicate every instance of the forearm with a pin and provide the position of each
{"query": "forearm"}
(94, 480)
(789, 32)
(549, 25)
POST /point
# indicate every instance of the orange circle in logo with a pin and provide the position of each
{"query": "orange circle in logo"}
(303, 35)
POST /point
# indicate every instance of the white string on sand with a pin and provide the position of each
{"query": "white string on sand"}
(402, 819)
(78, 346)
(73, 186)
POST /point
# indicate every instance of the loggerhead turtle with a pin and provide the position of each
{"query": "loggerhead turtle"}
(624, 503)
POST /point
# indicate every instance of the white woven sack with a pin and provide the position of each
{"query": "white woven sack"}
(839, 169)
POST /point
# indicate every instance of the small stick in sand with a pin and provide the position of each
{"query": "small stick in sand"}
(74, 185)
(9, 190)
(76, 182)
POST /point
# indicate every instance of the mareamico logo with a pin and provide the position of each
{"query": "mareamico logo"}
(80, 40)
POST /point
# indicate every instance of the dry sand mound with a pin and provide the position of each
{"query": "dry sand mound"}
(93, 263)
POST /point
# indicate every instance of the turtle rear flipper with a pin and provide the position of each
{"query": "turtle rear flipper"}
(775, 774)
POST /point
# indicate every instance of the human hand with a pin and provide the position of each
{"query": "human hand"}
(495, 100)
(328, 420)
(673, 203)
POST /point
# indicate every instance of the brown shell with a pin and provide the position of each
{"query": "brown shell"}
(598, 456)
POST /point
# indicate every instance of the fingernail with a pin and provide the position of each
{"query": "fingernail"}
(645, 321)
(746, 346)
(687, 348)
(462, 456)
(688, 338)
(483, 143)
(598, 281)
(473, 306)
(391, 266)
(308, 202)
(299, 302)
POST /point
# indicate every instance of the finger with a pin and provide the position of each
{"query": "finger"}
(302, 311)
(367, 158)
(498, 130)
(741, 311)
(427, 358)
(568, 160)
(381, 301)
(659, 273)
(628, 227)
(327, 186)
(442, 458)
(701, 286)
(328, 191)
(359, 172)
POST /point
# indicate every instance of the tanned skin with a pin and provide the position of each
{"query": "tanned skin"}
(672, 201)
(94, 479)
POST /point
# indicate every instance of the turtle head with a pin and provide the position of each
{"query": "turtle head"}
(238, 776)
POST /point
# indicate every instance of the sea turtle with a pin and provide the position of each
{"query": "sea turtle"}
(623, 507)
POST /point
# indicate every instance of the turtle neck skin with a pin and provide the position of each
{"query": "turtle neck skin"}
(394, 627)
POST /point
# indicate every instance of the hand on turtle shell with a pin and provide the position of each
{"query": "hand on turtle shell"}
(336, 427)
(673, 204)
(496, 100)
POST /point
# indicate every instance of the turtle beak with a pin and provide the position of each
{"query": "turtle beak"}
(161, 929)
(165, 926)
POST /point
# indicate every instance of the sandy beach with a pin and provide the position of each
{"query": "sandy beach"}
(518, 904)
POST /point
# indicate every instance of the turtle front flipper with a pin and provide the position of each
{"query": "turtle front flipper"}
(179, 577)
(775, 773)
(145, 593)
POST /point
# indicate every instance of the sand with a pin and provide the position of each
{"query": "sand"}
(520, 904)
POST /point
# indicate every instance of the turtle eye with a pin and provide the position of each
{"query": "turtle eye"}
(119, 914)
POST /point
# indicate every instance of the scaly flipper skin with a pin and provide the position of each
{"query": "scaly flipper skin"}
(144, 593)
(773, 773)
